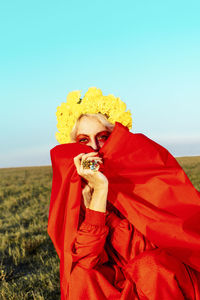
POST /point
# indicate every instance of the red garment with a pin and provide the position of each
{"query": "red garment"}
(154, 252)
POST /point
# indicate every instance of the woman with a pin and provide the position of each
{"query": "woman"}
(123, 215)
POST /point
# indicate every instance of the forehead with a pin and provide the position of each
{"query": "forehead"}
(90, 126)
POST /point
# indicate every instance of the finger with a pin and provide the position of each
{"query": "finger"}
(83, 168)
(78, 158)
(87, 172)
(90, 154)
(99, 159)
(83, 156)
(77, 161)
(90, 158)
(84, 172)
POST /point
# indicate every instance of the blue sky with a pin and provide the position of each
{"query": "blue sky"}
(145, 52)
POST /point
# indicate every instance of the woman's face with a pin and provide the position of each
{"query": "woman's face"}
(92, 133)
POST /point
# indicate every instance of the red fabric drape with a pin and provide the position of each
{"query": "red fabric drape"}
(146, 185)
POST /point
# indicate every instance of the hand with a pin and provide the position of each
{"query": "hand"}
(96, 180)
(96, 197)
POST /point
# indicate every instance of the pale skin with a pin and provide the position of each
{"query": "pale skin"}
(92, 133)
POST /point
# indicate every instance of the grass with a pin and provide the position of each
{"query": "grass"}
(29, 266)
(191, 166)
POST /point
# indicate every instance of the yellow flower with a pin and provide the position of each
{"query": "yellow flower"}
(93, 102)
(73, 97)
(93, 92)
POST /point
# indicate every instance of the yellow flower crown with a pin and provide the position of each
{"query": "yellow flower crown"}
(93, 102)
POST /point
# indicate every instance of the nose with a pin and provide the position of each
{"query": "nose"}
(94, 144)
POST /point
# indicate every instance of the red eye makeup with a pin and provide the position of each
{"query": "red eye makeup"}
(102, 136)
(84, 139)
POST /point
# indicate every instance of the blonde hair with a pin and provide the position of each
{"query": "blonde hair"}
(101, 118)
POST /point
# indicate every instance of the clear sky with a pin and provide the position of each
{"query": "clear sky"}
(145, 52)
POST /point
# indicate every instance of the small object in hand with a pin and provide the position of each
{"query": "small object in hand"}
(90, 164)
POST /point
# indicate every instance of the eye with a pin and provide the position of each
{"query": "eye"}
(83, 140)
(103, 137)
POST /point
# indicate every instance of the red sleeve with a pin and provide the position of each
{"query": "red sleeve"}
(126, 240)
(88, 248)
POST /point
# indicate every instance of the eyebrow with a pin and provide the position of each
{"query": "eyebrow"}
(96, 134)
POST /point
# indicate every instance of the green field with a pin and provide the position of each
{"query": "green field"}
(29, 266)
